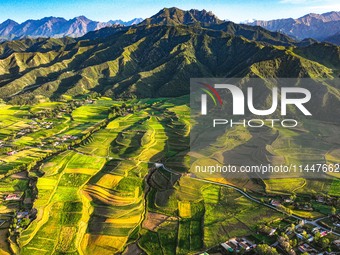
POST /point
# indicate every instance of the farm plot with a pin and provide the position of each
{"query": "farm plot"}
(61, 206)
(116, 193)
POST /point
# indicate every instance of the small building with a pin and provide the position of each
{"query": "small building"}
(337, 243)
(306, 248)
(234, 242)
(323, 233)
(21, 215)
(13, 197)
(245, 246)
(320, 199)
(227, 247)
(11, 153)
(275, 203)
(316, 229)
(272, 231)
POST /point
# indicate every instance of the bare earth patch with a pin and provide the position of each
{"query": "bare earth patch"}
(153, 220)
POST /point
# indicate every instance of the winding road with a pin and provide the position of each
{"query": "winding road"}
(245, 194)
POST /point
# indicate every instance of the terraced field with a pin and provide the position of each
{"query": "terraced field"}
(101, 193)
(60, 206)
(202, 215)
(92, 198)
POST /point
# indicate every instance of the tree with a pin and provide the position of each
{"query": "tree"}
(265, 249)
(317, 237)
(294, 242)
(304, 234)
(333, 210)
(293, 196)
(324, 242)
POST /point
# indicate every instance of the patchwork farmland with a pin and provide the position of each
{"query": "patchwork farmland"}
(87, 177)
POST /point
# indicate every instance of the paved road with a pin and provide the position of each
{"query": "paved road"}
(314, 222)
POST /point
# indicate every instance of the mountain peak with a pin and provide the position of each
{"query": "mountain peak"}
(9, 22)
(174, 15)
(134, 21)
(82, 18)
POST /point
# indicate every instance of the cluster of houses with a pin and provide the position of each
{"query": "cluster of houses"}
(64, 138)
(307, 248)
(329, 200)
(46, 124)
(306, 238)
(300, 206)
(35, 124)
(305, 206)
(24, 218)
(24, 131)
(238, 244)
(9, 153)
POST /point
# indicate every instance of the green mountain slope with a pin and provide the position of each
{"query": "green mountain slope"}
(154, 61)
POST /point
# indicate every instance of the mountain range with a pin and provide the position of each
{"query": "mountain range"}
(55, 27)
(322, 27)
(157, 58)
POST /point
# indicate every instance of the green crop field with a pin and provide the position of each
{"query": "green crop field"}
(98, 191)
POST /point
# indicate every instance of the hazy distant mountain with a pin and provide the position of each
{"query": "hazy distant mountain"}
(55, 27)
(317, 26)
(134, 21)
(334, 39)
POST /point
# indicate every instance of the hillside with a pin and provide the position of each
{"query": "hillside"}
(156, 60)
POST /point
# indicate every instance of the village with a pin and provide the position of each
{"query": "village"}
(17, 206)
(294, 239)
(289, 235)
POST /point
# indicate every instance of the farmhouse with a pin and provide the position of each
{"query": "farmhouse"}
(320, 199)
(309, 237)
(21, 215)
(272, 231)
(306, 248)
(13, 197)
(227, 247)
(275, 203)
(238, 244)
(337, 243)
(288, 200)
(11, 153)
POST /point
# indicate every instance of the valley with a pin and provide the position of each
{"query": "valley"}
(94, 187)
(96, 133)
